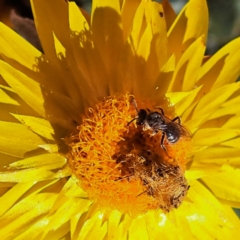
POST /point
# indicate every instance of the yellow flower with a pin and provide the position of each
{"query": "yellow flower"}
(64, 122)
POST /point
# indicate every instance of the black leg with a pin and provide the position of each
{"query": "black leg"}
(161, 110)
(177, 119)
(162, 144)
(132, 121)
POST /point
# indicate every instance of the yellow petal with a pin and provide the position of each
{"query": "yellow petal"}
(210, 102)
(6, 99)
(234, 143)
(14, 135)
(138, 229)
(152, 48)
(186, 72)
(26, 88)
(60, 233)
(12, 196)
(94, 228)
(62, 215)
(222, 68)
(127, 13)
(113, 218)
(225, 184)
(109, 40)
(22, 215)
(176, 97)
(26, 175)
(39, 98)
(38, 125)
(185, 105)
(51, 148)
(113, 4)
(90, 58)
(78, 219)
(46, 25)
(233, 123)
(160, 86)
(15, 45)
(52, 161)
(190, 24)
(204, 213)
(212, 136)
(192, 174)
(35, 231)
(218, 156)
(169, 13)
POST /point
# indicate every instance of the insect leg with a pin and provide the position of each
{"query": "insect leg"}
(177, 119)
(135, 104)
(162, 144)
(132, 121)
(161, 110)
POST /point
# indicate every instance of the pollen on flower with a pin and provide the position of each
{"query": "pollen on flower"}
(123, 167)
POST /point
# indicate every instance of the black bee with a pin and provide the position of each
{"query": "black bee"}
(171, 129)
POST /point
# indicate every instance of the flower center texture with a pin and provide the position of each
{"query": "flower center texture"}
(123, 161)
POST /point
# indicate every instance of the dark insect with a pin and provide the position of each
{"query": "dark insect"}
(171, 129)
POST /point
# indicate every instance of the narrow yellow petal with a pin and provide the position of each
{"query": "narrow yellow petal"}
(26, 175)
(12, 196)
(29, 90)
(222, 68)
(39, 98)
(113, 219)
(35, 231)
(62, 215)
(6, 99)
(210, 102)
(233, 123)
(186, 72)
(109, 40)
(213, 136)
(14, 135)
(23, 214)
(75, 222)
(185, 104)
(176, 97)
(225, 184)
(85, 62)
(159, 52)
(160, 86)
(38, 125)
(113, 4)
(204, 213)
(190, 24)
(51, 148)
(60, 233)
(229, 107)
(234, 143)
(169, 13)
(46, 25)
(218, 156)
(194, 174)
(94, 228)
(139, 25)
(138, 229)
(15, 45)
(127, 12)
(54, 160)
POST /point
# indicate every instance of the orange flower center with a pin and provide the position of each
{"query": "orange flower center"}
(124, 166)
